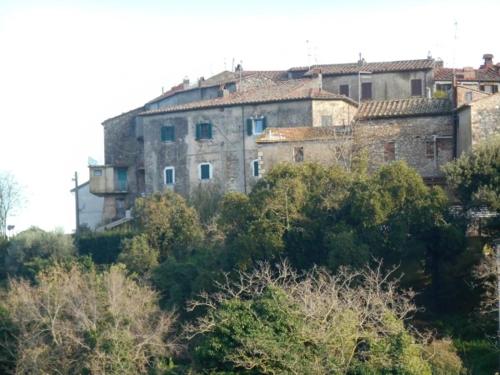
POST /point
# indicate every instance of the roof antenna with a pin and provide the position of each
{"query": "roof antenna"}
(308, 48)
(232, 65)
(225, 64)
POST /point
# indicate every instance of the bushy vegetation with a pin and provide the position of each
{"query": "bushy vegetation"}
(310, 273)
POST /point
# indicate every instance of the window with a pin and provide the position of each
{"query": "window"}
(366, 91)
(344, 90)
(298, 154)
(429, 150)
(416, 87)
(256, 126)
(167, 134)
(255, 168)
(326, 121)
(169, 176)
(494, 89)
(121, 179)
(482, 88)
(468, 96)
(443, 87)
(205, 171)
(97, 172)
(390, 151)
(204, 131)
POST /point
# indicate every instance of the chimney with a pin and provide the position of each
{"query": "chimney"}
(488, 60)
(318, 75)
(239, 68)
(200, 81)
(361, 60)
(185, 82)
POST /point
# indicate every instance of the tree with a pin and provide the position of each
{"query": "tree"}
(34, 249)
(137, 255)
(79, 321)
(171, 226)
(269, 322)
(475, 176)
(10, 199)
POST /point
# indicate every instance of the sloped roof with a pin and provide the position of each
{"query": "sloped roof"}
(282, 91)
(483, 75)
(374, 67)
(274, 135)
(403, 108)
(221, 79)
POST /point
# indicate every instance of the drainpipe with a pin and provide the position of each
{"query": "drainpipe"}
(243, 126)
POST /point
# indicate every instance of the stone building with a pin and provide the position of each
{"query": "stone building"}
(231, 128)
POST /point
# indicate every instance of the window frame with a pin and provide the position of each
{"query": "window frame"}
(344, 86)
(255, 162)
(251, 125)
(169, 168)
(199, 133)
(365, 84)
(210, 171)
(421, 87)
(169, 127)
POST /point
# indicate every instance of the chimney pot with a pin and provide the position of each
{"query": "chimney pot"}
(488, 60)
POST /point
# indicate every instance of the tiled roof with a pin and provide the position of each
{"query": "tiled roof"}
(221, 79)
(403, 108)
(483, 75)
(273, 135)
(138, 109)
(282, 91)
(374, 67)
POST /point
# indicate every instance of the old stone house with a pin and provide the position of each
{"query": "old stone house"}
(231, 128)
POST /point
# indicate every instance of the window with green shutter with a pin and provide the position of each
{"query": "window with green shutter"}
(167, 134)
(205, 171)
(204, 131)
(169, 175)
(256, 126)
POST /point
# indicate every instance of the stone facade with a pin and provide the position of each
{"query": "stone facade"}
(477, 121)
(425, 142)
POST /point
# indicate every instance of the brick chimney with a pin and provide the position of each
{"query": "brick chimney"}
(488, 61)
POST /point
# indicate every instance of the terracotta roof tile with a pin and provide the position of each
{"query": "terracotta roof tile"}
(223, 78)
(282, 91)
(483, 75)
(374, 67)
(403, 108)
(274, 135)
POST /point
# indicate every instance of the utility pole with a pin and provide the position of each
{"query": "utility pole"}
(77, 204)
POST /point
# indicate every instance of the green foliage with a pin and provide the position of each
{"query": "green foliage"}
(7, 342)
(170, 225)
(443, 358)
(138, 256)
(34, 249)
(314, 324)
(206, 200)
(102, 247)
(480, 357)
(475, 176)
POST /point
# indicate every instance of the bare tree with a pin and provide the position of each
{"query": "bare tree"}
(10, 199)
(74, 321)
(344, 317)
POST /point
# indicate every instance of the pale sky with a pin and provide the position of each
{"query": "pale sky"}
(66, 66)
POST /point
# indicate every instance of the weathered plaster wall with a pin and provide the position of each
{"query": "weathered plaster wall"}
(464, 134)
(392, 85)
(410, 136)
(90, 207)
(340, 112)
(485, 119)
(231, 161)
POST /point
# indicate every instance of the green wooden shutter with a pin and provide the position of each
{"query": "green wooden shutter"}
(264, 123)
(198, 128)
(209, 131)
(163, 135)
(249, 126)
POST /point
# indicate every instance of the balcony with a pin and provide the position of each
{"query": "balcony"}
(107, 180)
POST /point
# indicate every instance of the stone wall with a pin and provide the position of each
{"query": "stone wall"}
(425, 143)
(485, 119)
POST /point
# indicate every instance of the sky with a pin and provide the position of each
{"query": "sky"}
(66, 66)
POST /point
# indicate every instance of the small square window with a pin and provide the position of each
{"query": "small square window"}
(169, 176)
(97, 172)
(204, 131)
(344, 90)
(298, 154)
(258, 126)
(205, 171)
(167, 134)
